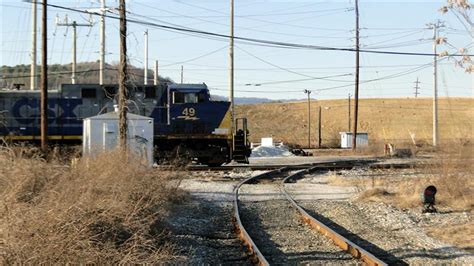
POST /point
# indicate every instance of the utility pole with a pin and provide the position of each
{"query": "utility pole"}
(155, 76)
(123, 77)
(146, 59)
(182, 74)
(319, 129)
(308, 92)
(231, 67)
(349, 112)
(74, 25)
(44, 79)
(435, 27)
(356, 93)
(416, 87)
(33, 45)
(102, 42)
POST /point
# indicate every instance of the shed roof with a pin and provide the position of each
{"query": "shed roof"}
(115, 116)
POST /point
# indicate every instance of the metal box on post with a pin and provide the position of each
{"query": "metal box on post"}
(101, 133)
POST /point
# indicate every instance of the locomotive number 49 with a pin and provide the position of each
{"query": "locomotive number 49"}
(189, 112)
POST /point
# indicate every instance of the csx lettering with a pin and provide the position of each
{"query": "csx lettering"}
(66, 107)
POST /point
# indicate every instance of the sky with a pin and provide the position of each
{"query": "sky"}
(263, 70)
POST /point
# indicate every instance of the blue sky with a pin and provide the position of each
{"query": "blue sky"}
(281, 73)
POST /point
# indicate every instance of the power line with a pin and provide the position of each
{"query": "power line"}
(407, 72)
(253, 40)
(287, 70)
(196, 58)
(240, 27)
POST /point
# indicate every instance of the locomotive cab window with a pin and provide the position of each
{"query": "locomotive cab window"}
(191, 98)
(178, 97)
(186, 97)
(88, 93)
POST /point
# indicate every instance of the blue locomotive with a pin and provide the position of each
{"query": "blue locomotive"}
(187, 123)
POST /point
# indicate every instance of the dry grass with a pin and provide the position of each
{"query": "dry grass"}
(106, 210)
(461, 235)
(451, 171)
(386, 120)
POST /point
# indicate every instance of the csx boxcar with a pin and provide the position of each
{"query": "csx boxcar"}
(187, 123)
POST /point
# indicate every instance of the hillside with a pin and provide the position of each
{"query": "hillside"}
(386, 120)
(241, 100)
(86, 72)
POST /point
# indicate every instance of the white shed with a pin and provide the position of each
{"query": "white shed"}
(101, 133)
(362, 139)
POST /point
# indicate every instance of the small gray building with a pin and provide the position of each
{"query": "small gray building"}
(362, 139)
(101, 133)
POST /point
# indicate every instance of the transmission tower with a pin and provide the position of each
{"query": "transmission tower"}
(417, 87)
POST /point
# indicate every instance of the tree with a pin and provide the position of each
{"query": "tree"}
(461, 9)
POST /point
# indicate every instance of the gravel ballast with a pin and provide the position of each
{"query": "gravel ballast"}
(279, 232)
(284, 239)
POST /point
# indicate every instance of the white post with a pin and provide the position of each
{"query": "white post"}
(435, 85)
(74, 25)
(33, 46)
(102, 43)
(155, 76)
(74, 42)
(145, 76)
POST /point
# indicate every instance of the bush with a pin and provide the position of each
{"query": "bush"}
(106, 210)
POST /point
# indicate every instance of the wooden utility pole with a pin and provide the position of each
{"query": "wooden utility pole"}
(356, 93)
(320, 140)
(123, 77)
(308, 92)
(231, 67)
(44, 79)
(182, 74)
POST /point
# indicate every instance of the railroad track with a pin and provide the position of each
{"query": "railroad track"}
(289, 175)
(370, 163)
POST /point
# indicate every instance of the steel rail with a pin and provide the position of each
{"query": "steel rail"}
(327, 165)
(344, 243)
(242, 233)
